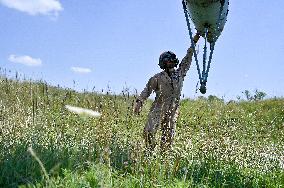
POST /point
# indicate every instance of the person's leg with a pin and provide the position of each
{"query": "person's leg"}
(168, 131)
(150, 130)
(149, 137)
(167, 137)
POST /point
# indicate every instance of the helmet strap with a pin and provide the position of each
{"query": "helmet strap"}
(169, 71)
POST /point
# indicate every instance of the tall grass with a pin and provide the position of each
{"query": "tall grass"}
(239, 144)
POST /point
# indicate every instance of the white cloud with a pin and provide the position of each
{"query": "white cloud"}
(35, 7)
(25, 60)
(81, 70)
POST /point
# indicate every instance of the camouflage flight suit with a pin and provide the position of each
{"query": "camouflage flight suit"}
(164, 110)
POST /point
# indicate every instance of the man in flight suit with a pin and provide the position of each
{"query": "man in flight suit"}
(164, 111)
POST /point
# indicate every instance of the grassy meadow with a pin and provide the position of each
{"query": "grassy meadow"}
(217, 144)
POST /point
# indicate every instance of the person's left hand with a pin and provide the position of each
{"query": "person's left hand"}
(137, 107)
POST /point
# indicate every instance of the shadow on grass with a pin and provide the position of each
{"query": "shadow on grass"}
(20, 168)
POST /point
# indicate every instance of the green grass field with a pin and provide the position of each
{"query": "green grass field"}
(240, 144)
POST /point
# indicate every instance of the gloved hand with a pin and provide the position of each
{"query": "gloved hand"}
(196, 38)
(137, 107)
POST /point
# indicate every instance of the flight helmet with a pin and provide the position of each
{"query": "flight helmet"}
(168, 56)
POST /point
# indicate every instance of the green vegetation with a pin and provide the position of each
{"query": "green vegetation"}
(217, 144)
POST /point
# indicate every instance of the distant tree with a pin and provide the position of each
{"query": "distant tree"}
(258, 95)
(247, 95)
(214, 98)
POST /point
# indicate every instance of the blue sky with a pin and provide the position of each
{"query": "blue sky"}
(117, 44)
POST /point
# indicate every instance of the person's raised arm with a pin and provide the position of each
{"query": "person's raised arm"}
(186, 61)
